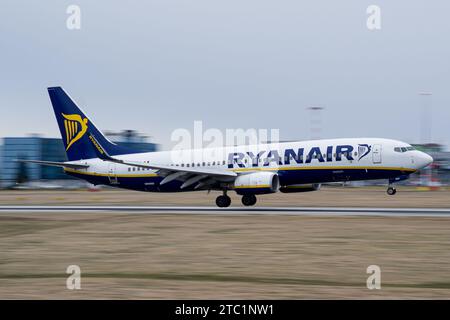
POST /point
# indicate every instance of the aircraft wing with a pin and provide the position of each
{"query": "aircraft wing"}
(213, 172)
(56, 164)
(190, 176)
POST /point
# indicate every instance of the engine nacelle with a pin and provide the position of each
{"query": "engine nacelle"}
(300, 188)
(257, 183)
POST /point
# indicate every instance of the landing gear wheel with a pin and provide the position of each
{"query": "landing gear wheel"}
(223, 201)
(248, 200)
(391, 191)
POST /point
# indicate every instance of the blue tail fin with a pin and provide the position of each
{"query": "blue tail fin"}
(75, 128)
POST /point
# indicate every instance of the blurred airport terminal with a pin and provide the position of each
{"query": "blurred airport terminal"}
(34, 147)
(14, 174)
(438, 173)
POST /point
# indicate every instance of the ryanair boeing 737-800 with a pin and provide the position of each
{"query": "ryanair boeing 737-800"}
(249, 170)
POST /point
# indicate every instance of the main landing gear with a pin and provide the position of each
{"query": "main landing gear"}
(248, 200)
(391, 191)
(223, 201)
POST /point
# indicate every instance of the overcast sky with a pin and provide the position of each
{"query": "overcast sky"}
(156, 66)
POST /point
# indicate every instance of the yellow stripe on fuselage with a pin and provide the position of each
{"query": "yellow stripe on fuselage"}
(253, 187)
(322, 168)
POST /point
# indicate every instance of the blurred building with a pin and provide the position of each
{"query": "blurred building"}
(50, 149)
(438, 173)
(131, 139)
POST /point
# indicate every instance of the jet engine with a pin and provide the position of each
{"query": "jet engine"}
(257, 183)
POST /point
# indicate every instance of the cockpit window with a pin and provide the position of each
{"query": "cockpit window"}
(403, 149)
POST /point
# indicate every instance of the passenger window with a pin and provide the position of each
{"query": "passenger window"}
(223, 162)
(203, 164)
(187, 165)
(214, 163)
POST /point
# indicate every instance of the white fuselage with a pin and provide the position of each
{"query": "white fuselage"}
(333, 156)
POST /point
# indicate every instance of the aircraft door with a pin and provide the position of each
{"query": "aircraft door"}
(376, 153)
(112, 174)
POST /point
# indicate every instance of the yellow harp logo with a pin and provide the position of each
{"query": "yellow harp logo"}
(75, 128)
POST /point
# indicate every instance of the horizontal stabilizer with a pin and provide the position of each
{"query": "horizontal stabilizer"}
(56, 164)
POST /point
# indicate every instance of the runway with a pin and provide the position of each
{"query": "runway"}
(200, 210)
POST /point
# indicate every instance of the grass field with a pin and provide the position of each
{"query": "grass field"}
(165, 256)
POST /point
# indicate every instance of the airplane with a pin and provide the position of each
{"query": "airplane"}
(249, 170)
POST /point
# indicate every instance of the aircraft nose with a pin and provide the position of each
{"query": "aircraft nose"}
(424, 160)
